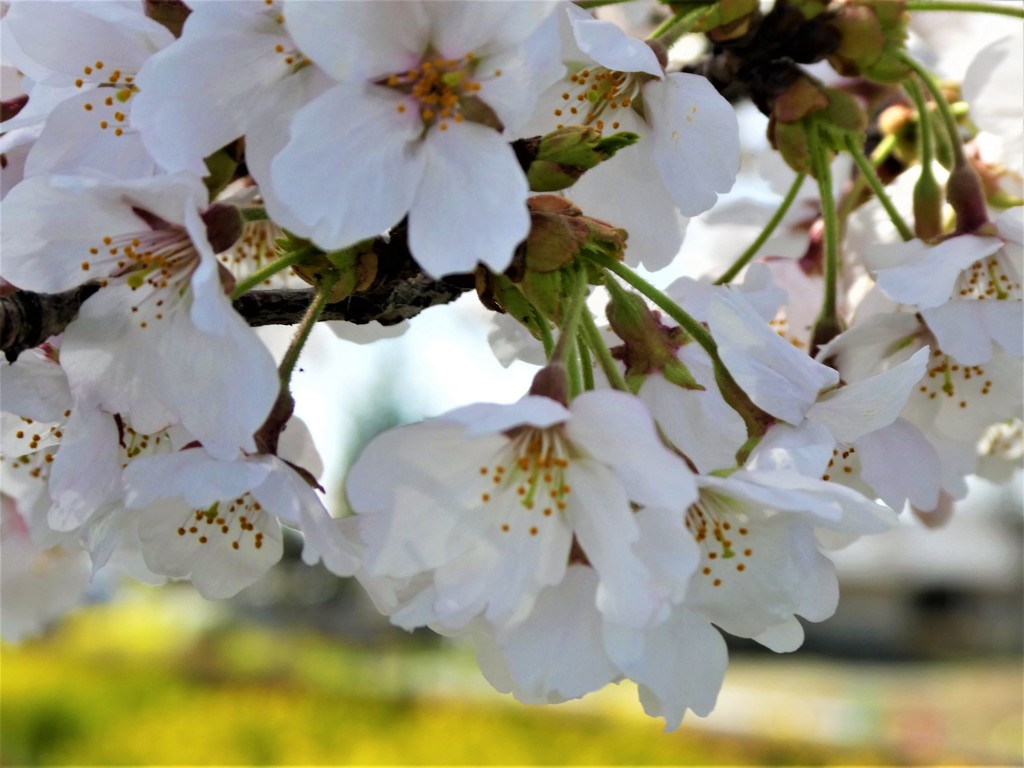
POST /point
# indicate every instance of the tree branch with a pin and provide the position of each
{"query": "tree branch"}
(28, 319)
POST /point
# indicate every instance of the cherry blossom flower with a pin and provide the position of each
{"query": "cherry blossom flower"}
(252, 79)
(81, 60)
(416, 113)
(486, 500)
(968, 288)
(43, 576)
(689, 147)
(218, 523)
(160, 329)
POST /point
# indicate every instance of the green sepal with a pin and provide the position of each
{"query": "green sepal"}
(872, 38)
(221, 166)
(564, 155)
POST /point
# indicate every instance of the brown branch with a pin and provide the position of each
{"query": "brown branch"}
(28, 319)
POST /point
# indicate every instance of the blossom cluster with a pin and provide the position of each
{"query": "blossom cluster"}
(680, 466)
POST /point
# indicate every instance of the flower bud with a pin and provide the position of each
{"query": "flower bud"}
(566, 154)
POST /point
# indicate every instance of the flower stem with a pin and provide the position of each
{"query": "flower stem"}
(944, 5)
(253, 213)
(851, 199)
(678, 25)
(746, 257)
(599, 3)
(603, 354)
(868, 172)
(563, 351)
(686, 321)
(963, 189)
(827, 325)
(941, 104)
(246, 284)
(927, 192)
(321, 298)
(756, 420)
(586, 364)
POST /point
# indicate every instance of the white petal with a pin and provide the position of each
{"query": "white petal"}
(696, 139)
(805, 449)
(900, 464)
(603, 521)
(699, 423)
(217, 569)
(556, 653)
(776, 376)
(492, 418)
(86, 473)
(357, 179)
(782, 638)
(360, 40)
(471, 204)
(610, 47)
(864, 406)
(617, 429)
(928, 274)
(682, 667)
(192, 475)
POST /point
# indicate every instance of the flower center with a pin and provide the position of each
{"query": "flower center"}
(113, 90)
(948, 378)
(530, 472)
(235, 523)
(990, 278)
(722, 544)
(156, 263)
(597, 97)
(439, 88)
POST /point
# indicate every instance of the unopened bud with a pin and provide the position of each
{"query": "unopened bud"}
(927, 206)
(649, 345)
(552, 382)
(223, 226)
(566, 154)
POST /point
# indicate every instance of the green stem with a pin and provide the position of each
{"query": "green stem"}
(868, 172)
(675, 27)
(586, 364)
(246, 284)
(572, 368)
(563, 351)
(924, 125)
(604, 355)
(746, 257)
(321, 298)
(942, 5)
(851, 198)
(544, 329)
(821, 169)
(941, 104)
(927, 192)
(599, 3)
(757, 421)
(963, 188)
(697, 331)
(253, 214)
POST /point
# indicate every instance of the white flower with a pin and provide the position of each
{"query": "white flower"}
(218, 523)
(235, 71)
(968, 288)
(161, 330)
(81, 59)
(41, 581)
(415, 120)
(486, 500)
(689, 147)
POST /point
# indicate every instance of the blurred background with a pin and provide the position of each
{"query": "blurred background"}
(921, 665)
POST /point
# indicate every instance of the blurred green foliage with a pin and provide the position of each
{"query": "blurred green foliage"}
(139, 682)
